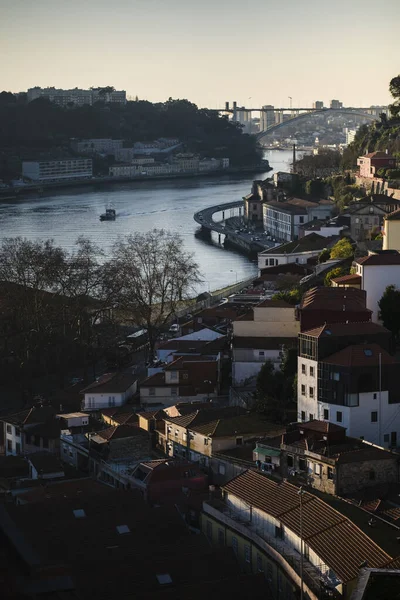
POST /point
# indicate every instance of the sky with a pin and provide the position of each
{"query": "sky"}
(209, 51)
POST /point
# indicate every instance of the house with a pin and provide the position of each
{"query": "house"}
(373, 161)
(199, 435)
(45, 465)
(88, 540)
(162, 480)
(321, 305)
(323, 227)
(347, 380)
(253, 208)
(281, 220)
(166, 351)
(376, 271)
(296, 538)
(300, 251)
(188, 377)
(30, 430)
(367, 215)
(119, 416)
(111, 389)
(320, 455)
(391, 231)
(216, 317)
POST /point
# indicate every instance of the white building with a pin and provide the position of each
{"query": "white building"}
(58, 170)
(75, 96)
(355, 386)
(97, 145)
(377, 272)
(112, 389)
(299, 251)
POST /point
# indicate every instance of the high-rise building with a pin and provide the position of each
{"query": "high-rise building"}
(318, 105)
(336, 104)
(267, 117)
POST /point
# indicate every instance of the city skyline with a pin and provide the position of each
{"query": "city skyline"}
(209, 54)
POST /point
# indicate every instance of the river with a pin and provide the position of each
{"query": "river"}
(141, 206)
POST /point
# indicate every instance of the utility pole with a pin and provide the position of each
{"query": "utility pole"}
(290, 98)
(294, 159)
(300, 492)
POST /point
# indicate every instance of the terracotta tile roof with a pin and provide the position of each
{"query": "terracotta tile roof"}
(308, 243)
(352, 278)
(117, 432)
(152, 414)
(330, 534)
(346, 329)
(231, 426)
(45, 463)
(30, 416)
(205, 416)
(111, 382)
(360, 355)
(334, 298)
(301, 202)
(382, 259)
(287, 208)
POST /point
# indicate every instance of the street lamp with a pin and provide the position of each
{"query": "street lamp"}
(301, 492)
(233, 271)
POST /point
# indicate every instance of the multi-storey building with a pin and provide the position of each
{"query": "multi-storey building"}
(283, 219)
(336, 104)
(96, 145)
(57, 170)
(318, 105)
(372, 162)
(346, 376)
(76, 96)
(267, 117)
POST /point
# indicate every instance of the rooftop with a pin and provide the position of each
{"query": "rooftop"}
(334, 298)
(308, 243)
(393, 216)
(326, 530)
(361, 355)
(347, 329)
(348, 279)
(111, 382)
(377, 154)
(384, 258)
(45, 463)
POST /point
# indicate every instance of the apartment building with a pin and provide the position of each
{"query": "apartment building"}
(97, 146)
(58, 170)
(282, 220)
(76, 96)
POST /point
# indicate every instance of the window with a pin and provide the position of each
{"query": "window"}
(239, 441)
(221, 469)
(326, 414)
(79, 513)
(301, 219)
(311, 390)
(152, 391)
(311, 371)
(174, 391)
(247, 553)
(330, 473)
(374, 416)
(303, 415)
(221, 537)
(339, 416)
(259, 563)
(317, 469)
(174, 375)
(122, 529)
(235, 545)
(386, 438)
(17, 432)
(302, 464)
(303, 390)
(9, 446)
(18, 448)
(336, 376)
(375, 396)
(9, 429)
(261, 353)
(209, 530)
(290, 460)
(206, 441)
(303, 369)
(311, 417)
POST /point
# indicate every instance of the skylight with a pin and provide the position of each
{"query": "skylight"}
(123, 529)
(164, 578)
(79, 513)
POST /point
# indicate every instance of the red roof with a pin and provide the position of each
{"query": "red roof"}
(346, 329)
(382, 259)
(334, 298)
(378, 154)
(352, 278)
(360, 355)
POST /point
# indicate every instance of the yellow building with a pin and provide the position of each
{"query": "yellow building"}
(391, 231)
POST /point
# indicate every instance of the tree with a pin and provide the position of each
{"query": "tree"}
(389, 310)
(275, 388)
(334, 273)
(342, 249)
(292, 296)
(154, 277)
(324, 255)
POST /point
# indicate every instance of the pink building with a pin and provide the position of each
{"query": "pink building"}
(372, 162)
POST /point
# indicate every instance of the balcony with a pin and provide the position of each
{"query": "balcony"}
(316, 583)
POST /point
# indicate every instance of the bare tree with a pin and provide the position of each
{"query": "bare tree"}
(154, 276)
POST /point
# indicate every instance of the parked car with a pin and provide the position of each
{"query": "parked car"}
(174, 328)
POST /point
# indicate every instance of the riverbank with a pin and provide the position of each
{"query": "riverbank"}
(13, 193)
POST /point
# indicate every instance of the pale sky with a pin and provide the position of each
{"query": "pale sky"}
(208, 51)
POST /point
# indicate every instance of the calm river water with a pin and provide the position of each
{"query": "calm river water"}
(140, 206)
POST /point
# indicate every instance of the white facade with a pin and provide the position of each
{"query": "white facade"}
(272, 259)
(12, 440)
(57, 170)
(307, 389)
(280, 224)
(375, 279)
(96, 401)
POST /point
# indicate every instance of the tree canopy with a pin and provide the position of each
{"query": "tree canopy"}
(389, 310)
(342, 249)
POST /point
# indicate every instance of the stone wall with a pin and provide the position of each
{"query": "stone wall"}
(380, 185)
(355, 476)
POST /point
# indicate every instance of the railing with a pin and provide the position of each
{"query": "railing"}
(314, 578)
